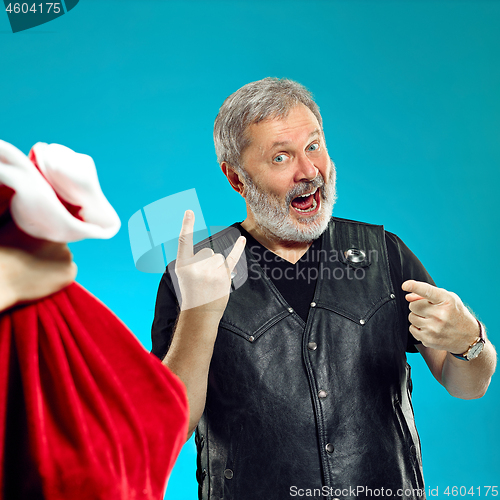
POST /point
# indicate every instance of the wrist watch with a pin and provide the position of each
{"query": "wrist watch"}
(475, 348)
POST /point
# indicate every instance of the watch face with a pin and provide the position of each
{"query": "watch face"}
(475, 350)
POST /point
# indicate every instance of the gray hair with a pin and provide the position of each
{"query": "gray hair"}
(252, 103)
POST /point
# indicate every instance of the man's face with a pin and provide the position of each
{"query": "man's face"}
(286, 159)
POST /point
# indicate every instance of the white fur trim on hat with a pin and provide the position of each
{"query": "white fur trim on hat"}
(35, 207)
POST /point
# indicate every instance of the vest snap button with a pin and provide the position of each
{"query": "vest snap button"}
(228, 474)
(313, 304)
(290, 310)
(329, 448)
(362, 321)
(251, 338)
(322, 394)
(393, 296)
(355, 255)
(312, 346)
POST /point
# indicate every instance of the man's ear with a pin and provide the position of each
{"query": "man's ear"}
(232, 177)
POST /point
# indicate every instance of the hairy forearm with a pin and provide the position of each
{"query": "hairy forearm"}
(189, 357)
(469, 379)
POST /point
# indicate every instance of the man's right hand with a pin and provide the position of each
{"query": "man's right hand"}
(204, 278)
(204, 282)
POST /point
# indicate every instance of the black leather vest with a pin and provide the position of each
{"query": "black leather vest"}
(324, 405)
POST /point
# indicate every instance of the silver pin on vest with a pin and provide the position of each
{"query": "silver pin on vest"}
(355, 255)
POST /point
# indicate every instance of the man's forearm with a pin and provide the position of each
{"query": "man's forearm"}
(190, 354)
(469, 379)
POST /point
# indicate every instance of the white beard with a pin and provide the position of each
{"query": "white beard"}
(272, 215)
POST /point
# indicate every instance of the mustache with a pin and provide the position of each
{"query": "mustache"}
(305, 187)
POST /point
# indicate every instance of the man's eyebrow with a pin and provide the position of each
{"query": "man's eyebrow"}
(285, 143)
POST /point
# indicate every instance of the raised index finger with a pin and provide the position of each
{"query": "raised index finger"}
(433, 294)
(185, 248)
(235, 254)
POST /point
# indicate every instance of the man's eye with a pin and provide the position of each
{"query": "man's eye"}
(279, 158)
(313, 147)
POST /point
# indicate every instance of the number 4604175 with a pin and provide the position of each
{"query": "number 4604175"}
(478, 490)
(24, 8)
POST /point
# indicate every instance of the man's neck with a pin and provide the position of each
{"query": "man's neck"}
(290, 251)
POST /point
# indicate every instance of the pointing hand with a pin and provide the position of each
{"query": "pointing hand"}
(439, 319)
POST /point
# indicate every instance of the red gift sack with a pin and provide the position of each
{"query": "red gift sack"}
(85, 411)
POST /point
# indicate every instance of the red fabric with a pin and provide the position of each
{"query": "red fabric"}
(85, 411)
(6, 194)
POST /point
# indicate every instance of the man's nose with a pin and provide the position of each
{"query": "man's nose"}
(306, 170)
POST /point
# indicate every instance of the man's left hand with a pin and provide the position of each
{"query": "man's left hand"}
(439, 319)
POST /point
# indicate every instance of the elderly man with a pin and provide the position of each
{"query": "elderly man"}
(297, 380)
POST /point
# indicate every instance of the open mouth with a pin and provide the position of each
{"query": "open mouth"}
(307, 203)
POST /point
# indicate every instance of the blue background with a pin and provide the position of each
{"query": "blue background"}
(409, 92)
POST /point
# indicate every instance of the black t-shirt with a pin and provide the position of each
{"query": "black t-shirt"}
(296, 282)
